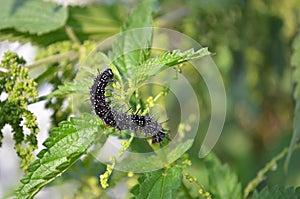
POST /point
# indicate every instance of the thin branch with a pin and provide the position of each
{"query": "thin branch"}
(39, 99)
(186, 191)
(268, 167)
(71, 55)
(72, 35)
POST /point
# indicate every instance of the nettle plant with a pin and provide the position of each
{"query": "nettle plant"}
(66, 37)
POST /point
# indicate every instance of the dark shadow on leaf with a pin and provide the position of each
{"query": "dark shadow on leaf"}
(17, 4)
(57, 8)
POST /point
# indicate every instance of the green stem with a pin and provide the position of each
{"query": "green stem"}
(186, 191)
(157, 97)
(72, 35)
(71, 55)
(268, 167)
(39, 99)
(201, 190)
(109, 169)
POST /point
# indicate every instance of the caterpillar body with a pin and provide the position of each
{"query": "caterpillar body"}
(121, 120)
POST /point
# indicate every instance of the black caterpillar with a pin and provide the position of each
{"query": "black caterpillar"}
(119, 120)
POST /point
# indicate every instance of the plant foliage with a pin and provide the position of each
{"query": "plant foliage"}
(45, 23)
(296, 80)
(277, 192)
(70, 140)
(31, 15)
(21, 90)
(158, 184)
(67, 35)
(223, 183)
(132, 46)
(66, 144)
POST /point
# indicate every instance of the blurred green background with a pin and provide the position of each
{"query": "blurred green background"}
(252, 41)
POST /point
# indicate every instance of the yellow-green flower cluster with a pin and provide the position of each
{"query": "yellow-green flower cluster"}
(20, 90)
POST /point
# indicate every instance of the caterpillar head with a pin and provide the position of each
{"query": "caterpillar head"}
(106, 75)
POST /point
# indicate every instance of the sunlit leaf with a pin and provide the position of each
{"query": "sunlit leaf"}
(33, 16)
(223, 183)
(77, 86)
(66, 144)
(158, 184)
(171, 58)
(132, 47)
(142, 164)
(94, 22)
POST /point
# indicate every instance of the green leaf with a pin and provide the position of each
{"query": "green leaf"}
(222, 182)
(84, 77)
(77, 86)
(45, 39)
(140, 163)
(171, 58)
(277, 192)
(158, 184)
(95, 22)
(95, 19)
(66, 144)
(295, 61)
(33, 16)
(132, 46)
